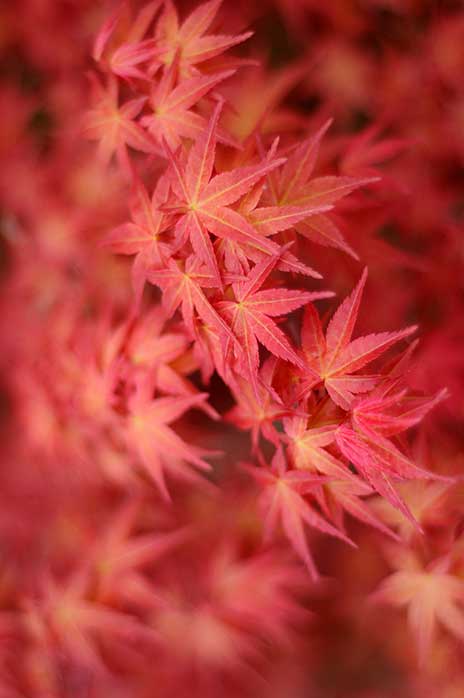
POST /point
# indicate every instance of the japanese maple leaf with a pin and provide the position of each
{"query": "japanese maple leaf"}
(95, 350)
(220, 606)
(142, 236)
(374, 419)
(189, 40)
(307, 448)
(119, 46)
(257, 415)
(118, 557)
(114, 126)
(151, 343)
(339, 497)
(381, 464)
(208, 350)
(335, 357)
(160, 352)
(172, 117)
(66, 614)
(268, 221)
(154, 443)
(365, 151)
(249, 316)
(182, 285)
(258, 97)
(432, 596)
(204, 202)
(293, 186)
(283, 497)
(427, 502)
(387, 411)
(256, 591)
(275, 219)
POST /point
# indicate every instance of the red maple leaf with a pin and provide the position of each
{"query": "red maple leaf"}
(293, 186)
(334, 358)
(119, 46)
(283, 497)
(188, 41)
(143, 236)
(250, 313)
(114, 126)
(381, 464)
(257, 415)
(182, 284)
(173, 117)
(204, 202)
(433, 595)
(154, 443)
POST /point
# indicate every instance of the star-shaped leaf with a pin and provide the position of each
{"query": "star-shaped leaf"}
(283, 498)
(204, 201)
(188, 40)
(335, 357)
(250, 313)
(432, 595)
(114, 126)
(173, 117)
(154, 443)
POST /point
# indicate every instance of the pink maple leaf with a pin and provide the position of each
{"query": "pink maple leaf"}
(250, 313)
(294, 186)
(173, 117)
(283, 497)
(335, 358)
(433, 596)
(204, 201)
(154, 443)
(114, 126)
(188, 40)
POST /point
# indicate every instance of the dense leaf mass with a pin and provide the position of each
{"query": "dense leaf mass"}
(232, 370)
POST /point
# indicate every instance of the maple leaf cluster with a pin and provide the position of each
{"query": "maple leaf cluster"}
(232, 360)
